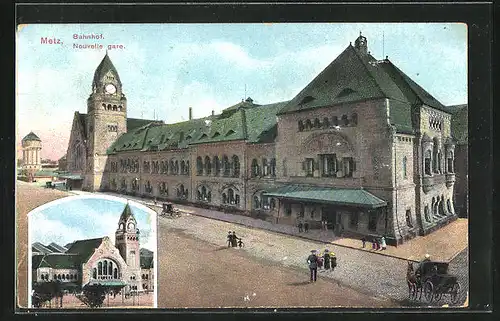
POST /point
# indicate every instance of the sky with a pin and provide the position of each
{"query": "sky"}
(167, 68)
(78, 218)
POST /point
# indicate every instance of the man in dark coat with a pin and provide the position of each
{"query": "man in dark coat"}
(234, 240)
(300, 226)
(229, 239)
(312, 260)
(326, 259)
(306, 227)
(334, 261)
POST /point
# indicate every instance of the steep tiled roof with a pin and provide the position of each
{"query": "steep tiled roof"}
(31, 136)
(105, 66)
(459, 123)
(243, 121)
(56, 248)
(40, 248)
(126, 213)
(56, 261)
(147, 262)
(85, 248)
(339, 196)
(354, 76)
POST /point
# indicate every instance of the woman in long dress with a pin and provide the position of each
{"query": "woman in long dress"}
(326, 259)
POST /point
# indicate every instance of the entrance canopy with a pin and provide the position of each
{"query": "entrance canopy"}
(71, 177)
(328, 195)
(109, 283)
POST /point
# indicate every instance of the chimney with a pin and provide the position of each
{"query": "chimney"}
(190, 113)
(213, 112)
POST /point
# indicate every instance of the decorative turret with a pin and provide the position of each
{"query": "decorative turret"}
(361, 44)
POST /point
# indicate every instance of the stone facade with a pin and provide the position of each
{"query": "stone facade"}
(371, 142)
(99, 260)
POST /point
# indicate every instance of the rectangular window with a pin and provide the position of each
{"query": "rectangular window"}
(348, 166)
(309, 166)
(329, 162)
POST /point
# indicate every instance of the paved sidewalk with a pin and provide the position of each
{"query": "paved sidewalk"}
(443, 244)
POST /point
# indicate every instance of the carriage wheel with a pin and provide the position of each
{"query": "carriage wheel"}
(413, 291)
(428, 290)
(454, 293)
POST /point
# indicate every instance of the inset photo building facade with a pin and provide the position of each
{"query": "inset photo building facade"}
(362, 146)
(121, 265)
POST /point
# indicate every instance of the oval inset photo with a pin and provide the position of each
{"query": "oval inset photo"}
(92, 252)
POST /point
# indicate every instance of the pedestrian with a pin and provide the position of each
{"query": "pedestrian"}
(240, 243)
(364, 241)
(384, 244)
(229, 239)
(374, 244)
(326, 260)
(333, 258)
(306, 227)
(300, 227)
(312, 260)
(154, 200)
(379, 244)
(234, 240)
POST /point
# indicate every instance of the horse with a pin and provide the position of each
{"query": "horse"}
(411, 280)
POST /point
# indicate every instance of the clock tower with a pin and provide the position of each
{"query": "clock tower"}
(106, 121)
(127, 243)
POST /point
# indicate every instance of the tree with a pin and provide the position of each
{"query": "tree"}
(94, 295)
(45, 291)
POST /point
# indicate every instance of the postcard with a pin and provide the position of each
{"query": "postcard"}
(272, 165)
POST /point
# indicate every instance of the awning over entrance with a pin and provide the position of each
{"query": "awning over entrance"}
(71, 177)
(328, 195)
(110, 283)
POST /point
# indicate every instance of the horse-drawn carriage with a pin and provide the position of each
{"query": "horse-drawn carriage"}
(433, 281)
(169, 211)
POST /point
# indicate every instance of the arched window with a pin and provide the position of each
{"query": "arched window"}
(67, 276)
(265, 167)
(273, 167)
(216, 166)
(354, 119)
(317, 124)
(110, 268)
(255, 168)
(99, 268)
(105, 268)
(345, 120)
(427, 162)
(226, 165)
(230, 194)
(301, 125)
(183, 167)
(204, 193)
(199, 166)
(64, 277)
(308, 124)
(224, 198)
(115, 273)
(176, 165)
(404, 167)
(208, 166)
(435, 155)
(236, 166)
(326, 122)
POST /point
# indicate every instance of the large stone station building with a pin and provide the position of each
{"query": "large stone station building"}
(362, 146)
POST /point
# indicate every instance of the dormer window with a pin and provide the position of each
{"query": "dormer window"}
(216, 134)
(230, 132)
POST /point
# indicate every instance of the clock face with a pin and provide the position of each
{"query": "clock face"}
(110, 89)
(130, 226)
